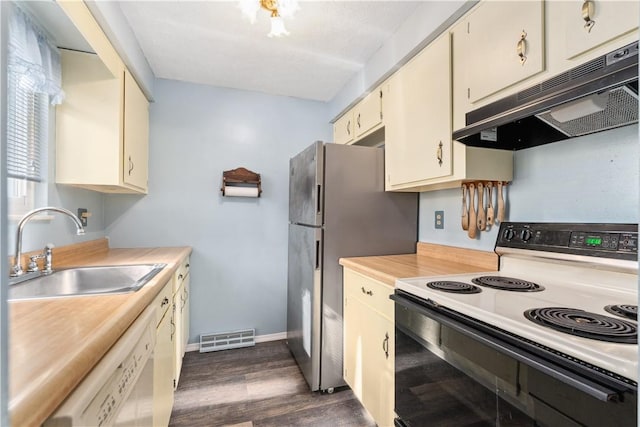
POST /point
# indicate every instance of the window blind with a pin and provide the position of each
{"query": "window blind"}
(27, 128)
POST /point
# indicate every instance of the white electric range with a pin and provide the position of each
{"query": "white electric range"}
(564, 302)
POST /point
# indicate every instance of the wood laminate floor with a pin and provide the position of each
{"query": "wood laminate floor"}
(255, 387)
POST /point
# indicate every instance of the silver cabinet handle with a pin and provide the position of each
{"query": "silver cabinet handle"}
(385, 345)
(131, 165)
(588, 8)
(349, 127)
(439, 154)
(521, 47)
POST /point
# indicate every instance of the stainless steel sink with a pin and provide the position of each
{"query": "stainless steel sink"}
(86, 281)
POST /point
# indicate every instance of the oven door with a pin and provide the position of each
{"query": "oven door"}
(453, 371)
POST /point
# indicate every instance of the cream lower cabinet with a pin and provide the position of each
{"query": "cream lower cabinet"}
(369, 341)
(181, 303)
(163, 358)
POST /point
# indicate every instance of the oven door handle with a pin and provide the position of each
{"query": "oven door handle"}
(596, 390)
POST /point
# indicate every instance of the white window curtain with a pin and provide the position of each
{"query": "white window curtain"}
(34, 81)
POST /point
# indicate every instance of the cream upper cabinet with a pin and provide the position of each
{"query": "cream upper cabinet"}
(369, 344)
(102, 126)
(367, 114)
(504, 44)
(343, 129)
(417, 115)
(361, 120)
(136, 134)
(590, 24)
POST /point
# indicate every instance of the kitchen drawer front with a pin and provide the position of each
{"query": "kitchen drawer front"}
(180, 274)
(163, 301)
(370, 292)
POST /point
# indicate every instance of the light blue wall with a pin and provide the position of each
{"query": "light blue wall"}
(589, 179)
(239, 261)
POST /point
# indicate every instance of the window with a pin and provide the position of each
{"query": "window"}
(34, 84)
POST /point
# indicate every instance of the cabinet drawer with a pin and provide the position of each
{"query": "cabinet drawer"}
(370, 292)
(163, 301)
(180, 274)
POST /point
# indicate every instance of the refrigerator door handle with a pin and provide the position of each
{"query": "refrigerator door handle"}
(317, 254)
(319, 199)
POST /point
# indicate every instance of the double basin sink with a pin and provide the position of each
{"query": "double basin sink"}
(115, 279)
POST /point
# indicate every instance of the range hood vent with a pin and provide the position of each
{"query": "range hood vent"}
(598, 95)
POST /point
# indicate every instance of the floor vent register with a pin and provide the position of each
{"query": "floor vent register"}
(227, 340)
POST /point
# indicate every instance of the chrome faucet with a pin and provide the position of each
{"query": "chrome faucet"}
(17, 270)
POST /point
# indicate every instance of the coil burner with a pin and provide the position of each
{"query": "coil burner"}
(585, 324)
(623, 310)
(507, 284)
(454, 287)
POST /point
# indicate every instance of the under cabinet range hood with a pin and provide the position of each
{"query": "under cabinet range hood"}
(598, 95)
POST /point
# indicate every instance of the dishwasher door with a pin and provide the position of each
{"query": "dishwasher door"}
(119, 389)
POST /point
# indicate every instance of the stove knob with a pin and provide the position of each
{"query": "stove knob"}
(508, 234)
(525, 235)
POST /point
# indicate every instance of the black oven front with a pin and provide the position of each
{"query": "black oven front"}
(451, 370)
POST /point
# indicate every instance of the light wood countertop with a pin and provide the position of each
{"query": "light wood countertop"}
(54, 343)
(430, 260)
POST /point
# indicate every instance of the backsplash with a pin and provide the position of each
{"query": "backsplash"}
(594, 178)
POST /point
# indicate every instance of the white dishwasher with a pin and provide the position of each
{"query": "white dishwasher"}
(119, 389)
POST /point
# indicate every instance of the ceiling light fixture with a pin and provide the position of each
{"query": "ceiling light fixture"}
(278, 9)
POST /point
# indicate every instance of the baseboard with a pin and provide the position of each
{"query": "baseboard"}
(259, 338)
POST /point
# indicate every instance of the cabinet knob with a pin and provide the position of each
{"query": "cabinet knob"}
(521, 47)
(588, 9)
(165, 301)
(366, 292)
(439, 154)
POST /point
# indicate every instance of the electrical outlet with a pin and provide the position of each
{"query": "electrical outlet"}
(439, 220)
(82, 216)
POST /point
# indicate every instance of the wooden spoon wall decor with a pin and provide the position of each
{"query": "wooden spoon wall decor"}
(479, 212)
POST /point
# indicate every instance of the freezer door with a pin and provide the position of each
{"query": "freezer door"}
(304, 287)
(305, 186)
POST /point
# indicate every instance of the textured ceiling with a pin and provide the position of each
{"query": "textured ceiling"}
(210, 42)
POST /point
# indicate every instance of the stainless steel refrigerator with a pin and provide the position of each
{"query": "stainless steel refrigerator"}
(337, 208)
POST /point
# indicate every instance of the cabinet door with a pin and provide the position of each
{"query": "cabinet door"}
(418, 117)
(177, 335)
(353, 346)
(497, 33)
(185, 314)
(610, 19)
(378, 369)
(163, 372)
(344, 129)
(136, 134)
(368, 113)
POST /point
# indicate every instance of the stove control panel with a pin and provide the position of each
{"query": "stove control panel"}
(601, 240)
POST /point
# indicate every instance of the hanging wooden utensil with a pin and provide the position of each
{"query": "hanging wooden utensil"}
(500, 217)
(465, 209)
(482, 217)
(490, 213)
(472, 211)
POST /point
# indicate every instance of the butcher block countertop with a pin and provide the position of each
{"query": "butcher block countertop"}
(430, 260)
(54, 343)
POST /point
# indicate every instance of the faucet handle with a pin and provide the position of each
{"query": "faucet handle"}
(33, 265)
